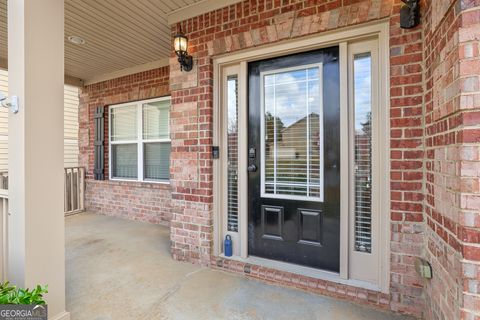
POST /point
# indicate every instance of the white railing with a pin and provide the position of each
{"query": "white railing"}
(74, 190)
(3, 232)
(74, 202)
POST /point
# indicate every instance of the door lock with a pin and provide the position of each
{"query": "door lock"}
(252, 153)
(252, 168)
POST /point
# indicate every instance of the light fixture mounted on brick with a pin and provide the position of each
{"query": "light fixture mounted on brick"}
(180, 43)
(409, 14)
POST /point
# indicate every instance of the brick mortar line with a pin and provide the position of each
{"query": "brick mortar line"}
(447, 230)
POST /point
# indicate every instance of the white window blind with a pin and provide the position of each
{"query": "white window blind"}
(362, 67)
(232, 131)
(124, 123)
(293, 137)
(157, 160)
(125, 161)
(140, 141)
(156, 117)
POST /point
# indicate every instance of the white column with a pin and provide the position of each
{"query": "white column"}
(35, 142)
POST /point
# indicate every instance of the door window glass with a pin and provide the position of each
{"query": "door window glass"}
(292, 127)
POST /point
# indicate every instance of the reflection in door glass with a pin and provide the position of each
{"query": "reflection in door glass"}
(232, 141)
(363, 151)
(293, 135)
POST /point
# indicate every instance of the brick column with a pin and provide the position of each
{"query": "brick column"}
(452, 62)
(191, 124)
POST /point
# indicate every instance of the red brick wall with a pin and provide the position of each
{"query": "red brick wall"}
(406, 163)
(134, 200)
(256, 22)
(434, 144)
(452, 115)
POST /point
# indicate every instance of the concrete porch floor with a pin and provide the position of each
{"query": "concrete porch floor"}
(119, 269)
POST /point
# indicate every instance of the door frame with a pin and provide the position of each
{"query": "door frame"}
(237, 63)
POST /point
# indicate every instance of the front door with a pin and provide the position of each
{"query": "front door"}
(294, 159)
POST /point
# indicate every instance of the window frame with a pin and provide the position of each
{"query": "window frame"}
(140, 141)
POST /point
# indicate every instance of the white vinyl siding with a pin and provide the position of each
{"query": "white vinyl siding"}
(70, 125)
(70, 134)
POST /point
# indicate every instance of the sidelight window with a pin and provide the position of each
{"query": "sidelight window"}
(362, 68)
(292, 136)
(232, 150)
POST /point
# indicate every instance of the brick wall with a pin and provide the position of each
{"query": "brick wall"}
(434, 145)
(253, 23)
(452, 115)
(406, 154)
(134, 200)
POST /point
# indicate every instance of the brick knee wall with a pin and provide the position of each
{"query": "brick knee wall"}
(146, 202)
(143, 201)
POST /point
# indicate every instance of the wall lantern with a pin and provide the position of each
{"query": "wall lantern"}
(180, 43)
(409, 14)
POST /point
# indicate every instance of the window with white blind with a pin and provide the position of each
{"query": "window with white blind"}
(292, 129)
(140, 141)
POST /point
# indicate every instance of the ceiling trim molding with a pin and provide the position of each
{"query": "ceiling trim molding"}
(128, 71)
(198, 8)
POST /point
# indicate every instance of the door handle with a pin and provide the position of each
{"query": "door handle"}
(252, 168)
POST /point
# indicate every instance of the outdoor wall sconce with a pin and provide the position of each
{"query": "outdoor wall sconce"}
(180, 43)
(409, 14)
(11, 103)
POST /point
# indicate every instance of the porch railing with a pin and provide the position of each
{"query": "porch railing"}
(74, 190)
(3, 232)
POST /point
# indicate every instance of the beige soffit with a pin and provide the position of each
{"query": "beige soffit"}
(119, 34)
(197, 9)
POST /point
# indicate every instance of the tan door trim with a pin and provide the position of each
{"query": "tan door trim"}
(341, 38)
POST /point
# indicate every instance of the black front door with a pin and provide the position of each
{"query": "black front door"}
(294, 159)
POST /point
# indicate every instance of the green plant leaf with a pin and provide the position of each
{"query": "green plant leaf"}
(12, 295)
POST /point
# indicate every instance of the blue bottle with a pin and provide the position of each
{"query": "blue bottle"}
(228, 246)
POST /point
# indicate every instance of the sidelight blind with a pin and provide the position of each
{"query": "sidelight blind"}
(363, 151)
(232, 139)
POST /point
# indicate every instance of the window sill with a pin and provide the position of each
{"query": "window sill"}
(135, 183)
(140, 181)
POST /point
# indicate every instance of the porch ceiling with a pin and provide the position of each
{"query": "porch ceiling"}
(119, 34)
